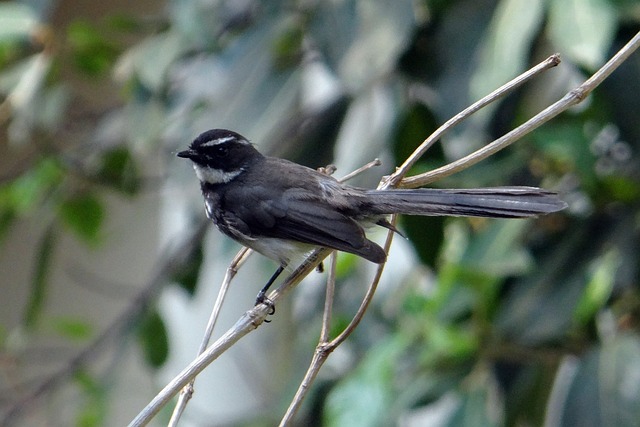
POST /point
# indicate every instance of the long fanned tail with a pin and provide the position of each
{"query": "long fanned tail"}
(497, 202)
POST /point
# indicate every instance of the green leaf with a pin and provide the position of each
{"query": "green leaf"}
(339, 323)
(119, 170)
(426, 235)
(605, 390)
(93, 53)
(94, 405)
(497, 250)
(572, 27)
(72, 328)
(473, 270)
(540, 307)
(364, 398)
(566, 142)
(83, 214)
(187, 275)
(622, 188)
(6, 219)
(345, 264)
(27, 191)
(152, 336)
(287, 47)
(599, 286)
(448, 342)
(40, 282)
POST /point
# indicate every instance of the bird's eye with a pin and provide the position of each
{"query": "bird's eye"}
(221, 151)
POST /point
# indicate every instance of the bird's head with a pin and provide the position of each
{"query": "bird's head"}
(220, 155)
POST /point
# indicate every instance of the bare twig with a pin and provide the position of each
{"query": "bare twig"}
(326, 347)
(572, 98)
(171, 261)
(347, 177)
(319, 355)
(394, 179)
(252, 319)
(187, 391)
(247, 322)
(368, 296)
(328, 302)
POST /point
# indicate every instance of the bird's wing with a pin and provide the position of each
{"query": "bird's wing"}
(300, 216)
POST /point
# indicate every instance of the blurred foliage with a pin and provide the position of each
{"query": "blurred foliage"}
(153, 338)
(37, 293)
(94, 406)
(83, 214)
(518, 322)
(93, 53)
(118, 170)
(187, 276)
(72, 328)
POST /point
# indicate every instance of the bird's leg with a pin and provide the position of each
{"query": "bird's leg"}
(262, 295)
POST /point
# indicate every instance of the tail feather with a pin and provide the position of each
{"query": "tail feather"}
(497, 202)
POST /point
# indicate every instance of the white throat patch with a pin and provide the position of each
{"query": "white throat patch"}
(214, 176)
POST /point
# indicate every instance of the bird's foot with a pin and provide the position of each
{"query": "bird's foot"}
(262, 299)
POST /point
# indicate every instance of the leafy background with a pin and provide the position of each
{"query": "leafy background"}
(477, 322)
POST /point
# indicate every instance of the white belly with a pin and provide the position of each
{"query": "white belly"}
(282, 251)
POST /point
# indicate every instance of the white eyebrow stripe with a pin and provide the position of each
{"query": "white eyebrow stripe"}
(218, 141)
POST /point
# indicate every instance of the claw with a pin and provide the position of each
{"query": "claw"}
(262, 299)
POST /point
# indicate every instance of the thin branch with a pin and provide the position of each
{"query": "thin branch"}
(368, 296)
(394, 179)
(237, 262)
(373, 163)
(254, 317)
(172, 260)
(187, 391)
(572, 98)
(319, 355)
(317, 361)
(249, 321)
(328, 301)
(325, 348)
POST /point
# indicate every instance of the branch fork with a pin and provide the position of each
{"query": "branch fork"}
(257, 315)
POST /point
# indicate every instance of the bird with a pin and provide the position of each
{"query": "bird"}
(282, 209)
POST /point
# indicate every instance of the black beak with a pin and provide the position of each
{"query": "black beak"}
(188, 154)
